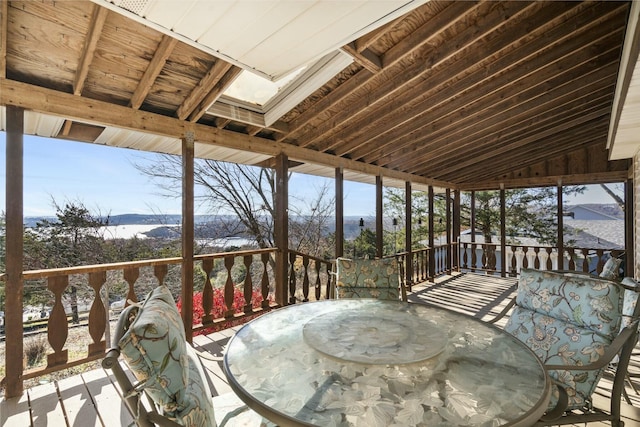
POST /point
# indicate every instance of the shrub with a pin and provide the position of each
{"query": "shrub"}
(219, 308)
(35, 350)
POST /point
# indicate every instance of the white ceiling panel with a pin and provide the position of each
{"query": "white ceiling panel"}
(270, 37)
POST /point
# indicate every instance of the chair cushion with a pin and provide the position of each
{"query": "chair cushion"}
(565, 296)
(630, 301)
(567, 319)
(558, 342)
(368, 278)
(155, 349)
(611, 268)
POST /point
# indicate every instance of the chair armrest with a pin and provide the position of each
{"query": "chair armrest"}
(504, 311)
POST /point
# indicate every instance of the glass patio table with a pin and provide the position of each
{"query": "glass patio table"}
(365, 362)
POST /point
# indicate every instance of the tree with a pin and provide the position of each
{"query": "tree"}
(529, 212)
(614, 195)
(243, 197)
(395, 207)
(75, 237)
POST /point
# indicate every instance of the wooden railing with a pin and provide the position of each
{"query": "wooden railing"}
(305, 270)
(139, 277)
(485, 257)
(443, 261)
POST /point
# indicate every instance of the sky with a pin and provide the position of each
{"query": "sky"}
(106, 181)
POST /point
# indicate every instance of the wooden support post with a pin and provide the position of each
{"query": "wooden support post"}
(379, 213)
(473, 231)
(456, 229)
(432, 253)
(187, 233)
(408, 268)
(448, 230)
(14, 252)
(503, 233)
(339, 212)
(281, 231)
(629, 232)
(560, 228)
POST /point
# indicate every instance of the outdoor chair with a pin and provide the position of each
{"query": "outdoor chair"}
(579, 326)
(150, 338)
(369, 278)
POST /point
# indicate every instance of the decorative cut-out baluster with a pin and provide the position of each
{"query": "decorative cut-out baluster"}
(265, 280)
(131, 275)
(292, 278)
(305, 278)
(160, 271)
(229, 260)
(58, 327)
(97, 314)
(248, 284)
(318, 285)
(207, 291)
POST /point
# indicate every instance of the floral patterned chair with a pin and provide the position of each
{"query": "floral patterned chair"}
(369, 278)
(150, 338)
(578, 325)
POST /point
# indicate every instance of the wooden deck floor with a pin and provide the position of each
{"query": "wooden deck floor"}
(92, 399)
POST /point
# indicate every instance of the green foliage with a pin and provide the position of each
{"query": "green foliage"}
(529, 212)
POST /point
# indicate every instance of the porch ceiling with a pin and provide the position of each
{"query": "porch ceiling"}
(465, 95)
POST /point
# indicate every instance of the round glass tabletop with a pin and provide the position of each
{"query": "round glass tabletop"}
(378, 363)
(389, 337)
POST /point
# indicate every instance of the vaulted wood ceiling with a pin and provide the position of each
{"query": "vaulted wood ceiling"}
(458, 94)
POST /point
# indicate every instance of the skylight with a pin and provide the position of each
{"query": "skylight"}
(255, 89)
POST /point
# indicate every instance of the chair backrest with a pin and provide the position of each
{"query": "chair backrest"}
(568, 319)
(151, 340)
(369, 278)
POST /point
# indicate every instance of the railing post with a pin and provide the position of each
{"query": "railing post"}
(14, 251)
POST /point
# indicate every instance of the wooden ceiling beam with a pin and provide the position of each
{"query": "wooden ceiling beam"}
(91, 42)
(523, 118)
(214, 93)
(533, 148)
(358, 83)
(501, 117)
(516, 65)
(160, 56)
(366, 58)
(398, 78)
(423, 35)
(204, 87)
(93, 111)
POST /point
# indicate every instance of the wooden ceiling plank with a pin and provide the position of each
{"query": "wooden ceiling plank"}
(326, 102)
(91, 42)
(536, 99)
(162, 53)
(4, 32)
(470, 72)
(371, 37)
(92, 111)
(392, 80)
(521, 62)
(456, 11)
(346, 90)
(214, 93)
(519, 145)
(518, 131)
(204, 86)
(539, 109)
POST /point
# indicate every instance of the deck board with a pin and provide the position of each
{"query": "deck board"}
(92, 398)
(77, 402)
